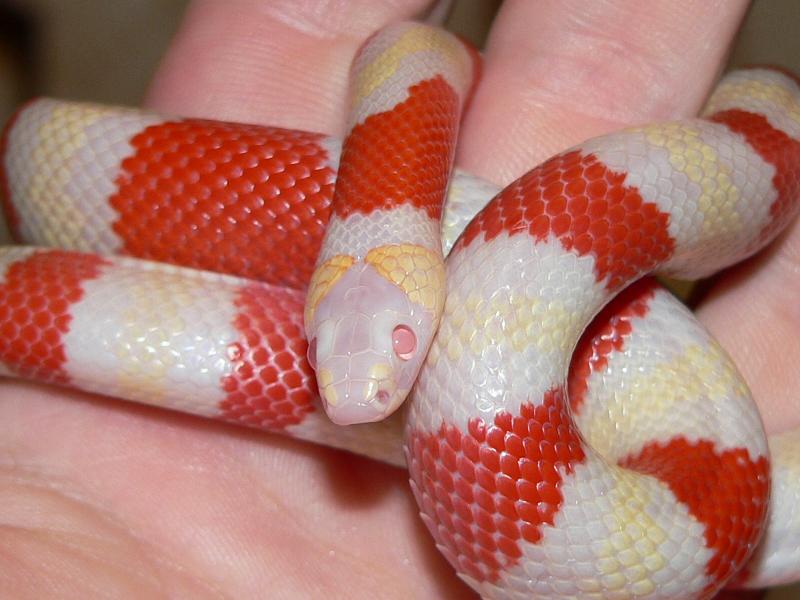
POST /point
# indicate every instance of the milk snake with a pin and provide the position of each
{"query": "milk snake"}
(646, 473)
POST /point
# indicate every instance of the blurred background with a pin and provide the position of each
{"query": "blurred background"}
(107, 50)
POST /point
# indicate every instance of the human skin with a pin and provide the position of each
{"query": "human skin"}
(104, 499)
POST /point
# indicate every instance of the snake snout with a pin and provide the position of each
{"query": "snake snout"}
(359, 393)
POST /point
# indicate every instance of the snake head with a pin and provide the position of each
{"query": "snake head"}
(367, 341)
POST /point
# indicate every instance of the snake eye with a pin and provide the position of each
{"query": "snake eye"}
(404, 342)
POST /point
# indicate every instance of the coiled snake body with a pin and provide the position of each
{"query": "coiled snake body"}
(646, 473)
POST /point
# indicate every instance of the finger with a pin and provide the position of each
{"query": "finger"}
(283, 62)
(558, 72)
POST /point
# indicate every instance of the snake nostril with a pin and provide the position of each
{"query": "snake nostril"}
(312, 353)
(404, 341)
(382, 397)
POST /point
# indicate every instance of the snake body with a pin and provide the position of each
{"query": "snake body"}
(646, 473)
(377, 294)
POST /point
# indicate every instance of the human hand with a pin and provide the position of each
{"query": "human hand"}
(144, 503)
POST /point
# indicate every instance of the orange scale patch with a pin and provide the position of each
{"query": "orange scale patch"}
(504, 486)
(605, 335)
(777, 149)
(401, 156)
(589, 209)
(35, 302)
(725, 490)
(242, 199)
(271, 384)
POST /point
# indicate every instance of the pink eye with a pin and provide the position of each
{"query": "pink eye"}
(404, 341)
(312, 353)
